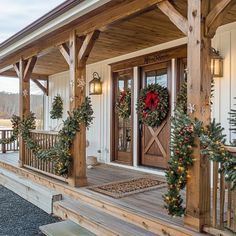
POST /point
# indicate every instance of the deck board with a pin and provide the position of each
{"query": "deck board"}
(150, 202)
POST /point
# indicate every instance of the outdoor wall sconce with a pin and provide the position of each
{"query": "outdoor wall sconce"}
(216, 63)
(95, 85)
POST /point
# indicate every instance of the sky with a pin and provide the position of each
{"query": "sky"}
(14, 16)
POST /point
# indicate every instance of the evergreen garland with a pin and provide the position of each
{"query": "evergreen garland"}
(182, 144)
(184, 132)
(15, 120)
(59, 154)
(57, 108)
(153, 105)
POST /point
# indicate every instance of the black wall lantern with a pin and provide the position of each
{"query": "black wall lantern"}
(217, 63)
(95, 85)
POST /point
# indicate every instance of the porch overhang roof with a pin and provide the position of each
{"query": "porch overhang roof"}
(63, 14)
(126, 26)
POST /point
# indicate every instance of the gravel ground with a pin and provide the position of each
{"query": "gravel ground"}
(19, 217)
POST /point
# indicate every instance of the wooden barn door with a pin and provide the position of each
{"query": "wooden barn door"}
(155, 141)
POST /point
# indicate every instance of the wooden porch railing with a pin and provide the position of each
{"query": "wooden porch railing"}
(6, 133)
(223, 205)
(45, 140)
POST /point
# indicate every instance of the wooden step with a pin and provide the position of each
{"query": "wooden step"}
(37, 194)
(95, 220)
(138, 218)
(64, 228)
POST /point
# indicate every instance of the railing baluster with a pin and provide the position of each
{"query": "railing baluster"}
(45, 140)
(222, 200)
(3, 145)
(214, 197)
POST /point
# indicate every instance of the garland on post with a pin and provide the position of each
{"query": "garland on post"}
(15, 120)
(153, 105)
(123, 104)
(59, 154)
(212, 141)
(57, 108)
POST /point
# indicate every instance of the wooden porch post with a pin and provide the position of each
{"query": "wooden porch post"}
(76, 56)
(199, 91)
(24, 70)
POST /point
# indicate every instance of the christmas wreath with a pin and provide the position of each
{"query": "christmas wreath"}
(57, 108)
(153, 105)
(123, 104)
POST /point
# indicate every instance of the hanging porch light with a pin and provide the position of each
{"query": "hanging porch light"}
(216, 63)
(95, 85)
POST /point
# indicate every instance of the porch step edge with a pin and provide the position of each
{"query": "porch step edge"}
(138, 218)
(63, 228)
(95, 220)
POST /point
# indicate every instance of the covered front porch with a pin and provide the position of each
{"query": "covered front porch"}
(176, 39)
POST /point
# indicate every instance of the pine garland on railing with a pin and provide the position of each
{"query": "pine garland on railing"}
(60, 154)
(15, 120)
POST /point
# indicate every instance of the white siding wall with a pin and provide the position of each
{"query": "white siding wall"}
(58, 84)
(225, 88)
(99, 133)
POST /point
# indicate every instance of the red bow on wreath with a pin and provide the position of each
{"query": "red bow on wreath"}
(151, 100)
(122, 96)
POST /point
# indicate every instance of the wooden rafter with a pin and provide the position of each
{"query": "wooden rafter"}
(87, 46)
(65, 51)
(215, 17)
(42, 87)
(16, 68)
(175, 17)
(29, 67)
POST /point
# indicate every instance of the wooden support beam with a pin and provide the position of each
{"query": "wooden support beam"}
(199, 92)
(80, 49)
(16, 68)
(175, 17)
(24, 105)
(42, 87)
(65, 51)
(29, 67)
(87, 46)
(216, 16)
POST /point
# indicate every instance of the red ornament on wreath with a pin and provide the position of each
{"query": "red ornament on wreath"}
(153, 105)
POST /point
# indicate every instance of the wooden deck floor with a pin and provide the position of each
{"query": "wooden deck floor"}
(149, 202)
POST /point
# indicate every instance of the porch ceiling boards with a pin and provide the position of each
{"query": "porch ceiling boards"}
(139, 31)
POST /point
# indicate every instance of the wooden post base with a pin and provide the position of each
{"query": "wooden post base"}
(193, 223)
(78, 182)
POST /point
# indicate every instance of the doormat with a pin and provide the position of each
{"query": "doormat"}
(128, 187)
